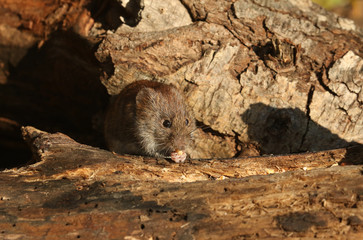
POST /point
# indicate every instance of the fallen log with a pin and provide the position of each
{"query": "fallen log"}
(77, 191)
(283, 76)
(58, 156)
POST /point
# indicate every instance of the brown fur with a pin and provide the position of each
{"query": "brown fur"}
(134, 121)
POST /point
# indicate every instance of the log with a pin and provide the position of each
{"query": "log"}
(280, 74)
(262, 77)
(59, 156)
(76, 191)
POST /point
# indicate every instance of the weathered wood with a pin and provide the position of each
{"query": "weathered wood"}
(282, 74)
(40, 17)
(288, 205)
(251, 79)
(76, 191)
(59, 156)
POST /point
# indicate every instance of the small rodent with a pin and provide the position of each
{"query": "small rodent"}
(149, 118)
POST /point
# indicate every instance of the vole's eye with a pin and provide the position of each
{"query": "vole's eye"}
(186, 121)
(167, 123)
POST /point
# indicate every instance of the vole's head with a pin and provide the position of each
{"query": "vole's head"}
(164, 122)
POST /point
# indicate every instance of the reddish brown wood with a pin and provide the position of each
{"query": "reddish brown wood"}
(269, 76)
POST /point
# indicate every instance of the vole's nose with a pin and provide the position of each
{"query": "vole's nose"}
(179, 143)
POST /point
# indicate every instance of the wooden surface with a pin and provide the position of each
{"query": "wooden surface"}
(262, 77)
(272, 78)
(280, 74)
(75, 159)
(76, 191)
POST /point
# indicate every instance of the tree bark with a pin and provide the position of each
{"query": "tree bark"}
(77, 191)
(270, 77)
(262, 77)
(57, 151)
(281, 74)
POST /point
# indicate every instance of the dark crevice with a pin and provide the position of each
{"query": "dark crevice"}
(55, 88)
(265, 27)
(233, 10)
(274, 74)
(308, 102)
(238, 147)
(295, 52)
(108, 12)
(213, 56)
(204, 19)
(320, 75)
(208, 129)
(343, 110)
(239, 73)
(277, 54)
(346, 113)
(241, 87)
(264, 50)
(188, 81)
(351, 91)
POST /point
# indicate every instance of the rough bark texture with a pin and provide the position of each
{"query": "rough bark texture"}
(74, 157)
(283, 74)
(266, 77)
(76, 191)
(261, 77)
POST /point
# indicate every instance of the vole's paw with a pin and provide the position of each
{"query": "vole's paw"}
(178, 156)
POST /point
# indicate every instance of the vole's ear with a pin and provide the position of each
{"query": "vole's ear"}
(145, 95)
